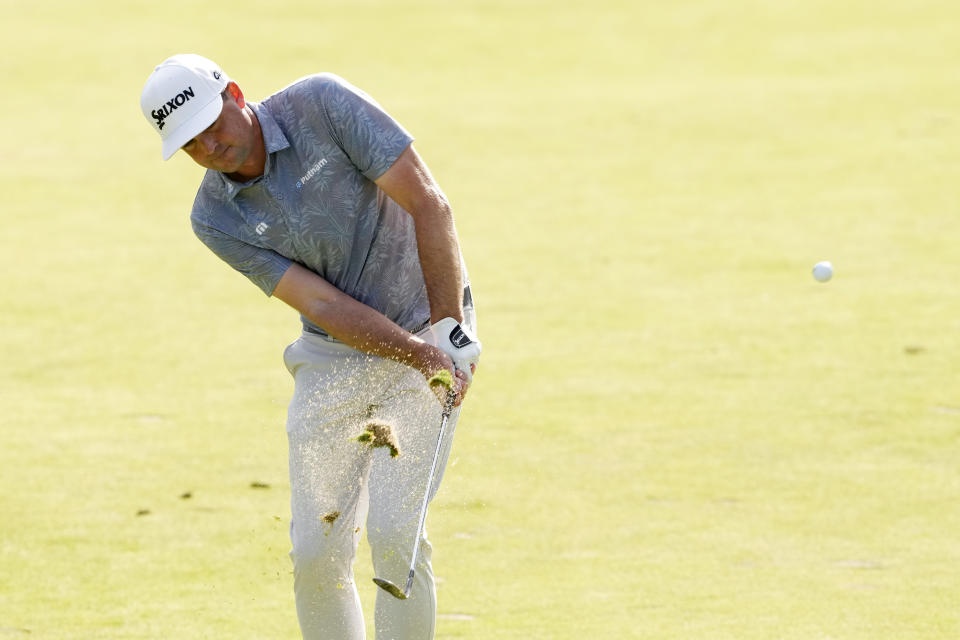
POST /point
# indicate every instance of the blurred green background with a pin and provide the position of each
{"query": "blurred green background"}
(676, 432)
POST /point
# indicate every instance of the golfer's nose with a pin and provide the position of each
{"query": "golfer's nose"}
(207, 142)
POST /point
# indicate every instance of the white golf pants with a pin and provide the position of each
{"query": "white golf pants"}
(337, 482)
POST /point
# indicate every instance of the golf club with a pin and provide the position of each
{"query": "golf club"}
(386, 585)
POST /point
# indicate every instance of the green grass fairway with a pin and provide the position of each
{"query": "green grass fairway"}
(676, 433)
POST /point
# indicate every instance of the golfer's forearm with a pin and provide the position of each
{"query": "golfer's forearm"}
(355, 323)
(367, 330)
(440, 261)
(409, 183)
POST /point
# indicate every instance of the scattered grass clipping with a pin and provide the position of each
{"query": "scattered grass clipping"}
(380, 434)
(441, 378)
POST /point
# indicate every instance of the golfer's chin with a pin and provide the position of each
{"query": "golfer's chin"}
(229, 162)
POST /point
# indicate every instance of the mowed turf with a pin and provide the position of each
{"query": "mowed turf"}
(675, 433)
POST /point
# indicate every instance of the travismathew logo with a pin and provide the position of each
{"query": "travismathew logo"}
(458, 338)
(171, 105)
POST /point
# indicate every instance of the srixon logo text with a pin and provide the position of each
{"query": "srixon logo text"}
(178, 100)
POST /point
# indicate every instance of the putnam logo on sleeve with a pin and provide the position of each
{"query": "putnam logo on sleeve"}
(161, 113)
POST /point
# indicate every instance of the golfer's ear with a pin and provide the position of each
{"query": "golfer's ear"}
(234, 90)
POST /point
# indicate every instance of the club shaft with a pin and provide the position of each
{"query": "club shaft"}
(426, 496)
(385, 584)
(448, 407)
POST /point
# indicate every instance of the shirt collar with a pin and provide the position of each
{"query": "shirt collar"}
(273, 140)
(273, 137)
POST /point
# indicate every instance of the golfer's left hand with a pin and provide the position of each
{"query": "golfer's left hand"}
(459, 343)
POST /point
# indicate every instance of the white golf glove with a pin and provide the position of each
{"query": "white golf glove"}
(457, 342)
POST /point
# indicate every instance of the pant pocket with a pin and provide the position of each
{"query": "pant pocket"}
(293, 357)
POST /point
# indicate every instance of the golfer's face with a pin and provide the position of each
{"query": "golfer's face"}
(225, 144)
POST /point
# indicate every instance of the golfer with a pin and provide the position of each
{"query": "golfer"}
(318, 197)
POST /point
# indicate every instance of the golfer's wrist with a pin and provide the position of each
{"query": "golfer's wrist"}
(430, 359)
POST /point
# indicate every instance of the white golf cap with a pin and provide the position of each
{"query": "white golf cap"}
(182, 98)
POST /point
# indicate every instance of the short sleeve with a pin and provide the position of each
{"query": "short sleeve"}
(366, 133)
(262, 266)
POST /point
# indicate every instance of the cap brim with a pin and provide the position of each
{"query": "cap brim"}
(188, 130)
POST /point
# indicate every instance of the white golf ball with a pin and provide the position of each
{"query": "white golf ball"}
(822, 271)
